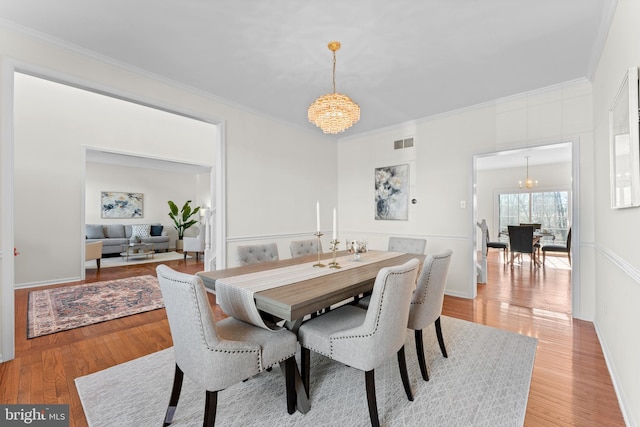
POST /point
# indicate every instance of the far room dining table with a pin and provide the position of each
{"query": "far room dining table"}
(292, 289)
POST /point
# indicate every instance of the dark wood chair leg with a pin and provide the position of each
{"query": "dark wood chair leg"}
(371, 397)
(175, 395)
(98, 263)
(185, 255)
(420, 353)
(305, 360)
(289, 374)
(402, 364)
(443, 349)
(210, 409)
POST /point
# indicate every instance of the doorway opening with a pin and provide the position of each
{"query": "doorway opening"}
(60, 159)
(502, 198)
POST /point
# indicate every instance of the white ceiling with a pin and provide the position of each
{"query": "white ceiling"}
(401, 60)
(542, 155)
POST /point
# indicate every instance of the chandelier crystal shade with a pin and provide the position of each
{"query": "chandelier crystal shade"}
(334, 112)
(528, 183)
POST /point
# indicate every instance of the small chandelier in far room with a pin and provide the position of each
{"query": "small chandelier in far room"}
(528, 183)
(334, 112)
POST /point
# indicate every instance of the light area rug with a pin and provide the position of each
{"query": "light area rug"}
(484, 382)
(119, 262)
(68, 307)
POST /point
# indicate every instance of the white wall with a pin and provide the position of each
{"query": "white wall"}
(442, 170)
(157, 186)
(617, 231)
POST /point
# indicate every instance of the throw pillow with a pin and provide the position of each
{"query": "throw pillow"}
(94, 231)
(156, 230)
(140, 230)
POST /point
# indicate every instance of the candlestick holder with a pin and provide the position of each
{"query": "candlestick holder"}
(334, 248)
(318, 264)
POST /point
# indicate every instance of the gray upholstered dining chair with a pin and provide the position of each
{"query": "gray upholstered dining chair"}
(407, 245)
(364, 339)
(558, 248)
(253, 254)
(216, 355)
(304, 247)
(426, 303)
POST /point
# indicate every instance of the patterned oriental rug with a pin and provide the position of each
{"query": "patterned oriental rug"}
(69, 307)
(484, 382)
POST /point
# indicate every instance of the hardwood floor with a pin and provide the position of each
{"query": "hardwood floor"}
(570, 383)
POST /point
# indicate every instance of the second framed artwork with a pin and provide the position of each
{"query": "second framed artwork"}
(392, 192)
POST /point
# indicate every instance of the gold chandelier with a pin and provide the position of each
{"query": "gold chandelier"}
(528, 183)
(334, 112)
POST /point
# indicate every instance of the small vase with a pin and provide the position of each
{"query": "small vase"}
(179, 244)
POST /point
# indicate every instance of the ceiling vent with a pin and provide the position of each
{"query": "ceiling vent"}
(403, 143)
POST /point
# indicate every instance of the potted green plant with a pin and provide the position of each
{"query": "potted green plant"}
(182, 219)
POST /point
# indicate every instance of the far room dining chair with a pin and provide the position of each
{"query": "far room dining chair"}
(300, 248)
(93, 251)
(254, 254)
(503, 246)
(558, 248)
(364, 339)
(194, 244)
(407, 245)
(521, 241)
(536, 227)
(216, 355)
(426, 303)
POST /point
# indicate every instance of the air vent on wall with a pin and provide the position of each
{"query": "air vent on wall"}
(403, 143)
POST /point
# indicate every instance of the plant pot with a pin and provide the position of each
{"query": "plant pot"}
(179, 244)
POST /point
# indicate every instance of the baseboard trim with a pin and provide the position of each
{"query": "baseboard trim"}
(46, 283)
(612, 373)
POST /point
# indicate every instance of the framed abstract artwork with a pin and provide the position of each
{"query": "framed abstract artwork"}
(392, 192)
(115, 204)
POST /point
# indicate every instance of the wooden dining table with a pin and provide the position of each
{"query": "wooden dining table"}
(309, 295)
(293, 301)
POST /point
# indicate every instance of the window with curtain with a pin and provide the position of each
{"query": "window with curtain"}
(549, 208)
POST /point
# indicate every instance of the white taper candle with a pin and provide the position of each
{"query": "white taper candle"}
(335, 229)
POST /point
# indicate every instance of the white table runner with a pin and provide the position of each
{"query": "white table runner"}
(235, 294)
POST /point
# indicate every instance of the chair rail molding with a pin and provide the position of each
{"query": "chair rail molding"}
(619, 262)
